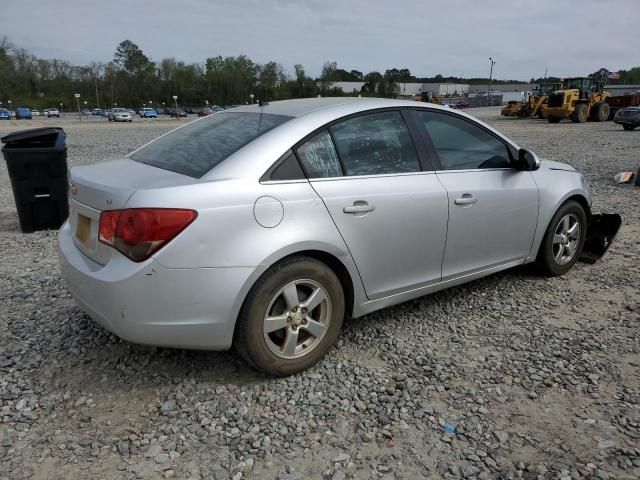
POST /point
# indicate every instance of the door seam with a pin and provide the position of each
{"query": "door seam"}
(343, 240)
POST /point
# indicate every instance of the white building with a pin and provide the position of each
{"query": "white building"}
(446, 89)
(349, 87)
(411, 89)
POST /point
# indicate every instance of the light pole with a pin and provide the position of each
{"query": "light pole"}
(10, 112)
(77, 95)
(489, 102)
(175, 99)
(251, 96)
(85, 107)
(61, 105)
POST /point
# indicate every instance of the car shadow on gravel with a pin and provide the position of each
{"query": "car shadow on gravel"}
(104, 359)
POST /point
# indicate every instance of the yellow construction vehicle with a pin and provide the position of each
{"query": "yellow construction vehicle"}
(534, 103)
(579, 99)
(427, 97)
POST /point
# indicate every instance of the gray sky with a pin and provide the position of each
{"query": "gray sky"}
(451, 37)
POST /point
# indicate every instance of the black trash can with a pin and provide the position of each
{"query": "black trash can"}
(37, 165)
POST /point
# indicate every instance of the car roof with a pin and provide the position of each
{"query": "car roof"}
(303, 106)
(309, 115)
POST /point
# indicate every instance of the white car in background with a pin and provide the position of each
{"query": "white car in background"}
(35, 113)
(119, 115)
(51, 112)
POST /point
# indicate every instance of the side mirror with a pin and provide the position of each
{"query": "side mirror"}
(527, 160)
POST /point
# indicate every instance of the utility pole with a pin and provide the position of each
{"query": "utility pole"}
(77, 95)
(490, 78)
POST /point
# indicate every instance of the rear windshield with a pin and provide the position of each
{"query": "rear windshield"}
(196, 148)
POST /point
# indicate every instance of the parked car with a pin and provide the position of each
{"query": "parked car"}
(119, 115)
(172, 112)
(85, 111)
(98, 112)
(5, 114)
(131, 111)
(35, 113)
(23, 113)
(148, 113)
(628, 117)
(52, 112)
(264, 226)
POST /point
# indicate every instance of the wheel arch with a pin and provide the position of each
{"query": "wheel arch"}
(344, 270)
(577, 197)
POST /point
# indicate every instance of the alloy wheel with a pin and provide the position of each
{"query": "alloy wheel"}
(566, 239)
(297, 318)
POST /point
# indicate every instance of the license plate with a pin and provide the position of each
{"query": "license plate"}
(83, 230)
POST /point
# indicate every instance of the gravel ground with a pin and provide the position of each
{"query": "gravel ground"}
(512, 376)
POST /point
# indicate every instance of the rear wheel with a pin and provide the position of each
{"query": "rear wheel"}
(580, 113)
(291, 317)
(628, 127)
(564, 239)
(600, 112)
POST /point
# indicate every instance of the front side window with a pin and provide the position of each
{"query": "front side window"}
(375, 144)
(462, 145)
(319, 157)
(198, 147)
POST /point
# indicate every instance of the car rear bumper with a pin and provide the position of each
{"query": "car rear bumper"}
(149, 304)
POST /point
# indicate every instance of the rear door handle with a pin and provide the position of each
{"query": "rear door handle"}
(359, 207)
(466, 199)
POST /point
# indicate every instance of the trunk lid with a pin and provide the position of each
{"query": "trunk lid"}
(109, 186)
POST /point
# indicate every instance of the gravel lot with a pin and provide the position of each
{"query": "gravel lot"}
(512, 376)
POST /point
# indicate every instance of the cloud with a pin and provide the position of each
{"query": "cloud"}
(448, 37)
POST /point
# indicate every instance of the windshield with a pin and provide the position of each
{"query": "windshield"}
(118, 110)
(198, 147)
(577, 83)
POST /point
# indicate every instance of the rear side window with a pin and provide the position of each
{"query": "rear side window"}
(375, 144)
(462, 145)
(197, 148)
(319, 157)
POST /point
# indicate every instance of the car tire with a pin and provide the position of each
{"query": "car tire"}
(629, 127)
(600, 112)
(553, 119)
(290, 347)
(580, 113)
(560, 248)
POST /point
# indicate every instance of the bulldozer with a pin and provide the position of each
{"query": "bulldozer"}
(580, 99)
(534, 103)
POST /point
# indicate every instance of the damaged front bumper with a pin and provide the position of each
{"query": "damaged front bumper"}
(603, 228)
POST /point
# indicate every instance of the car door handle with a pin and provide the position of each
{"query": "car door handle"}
(359, 208)
(466, 199)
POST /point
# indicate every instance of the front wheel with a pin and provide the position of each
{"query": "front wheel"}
(628, 127)
(564, 239)
(291, 317)
(580, 113)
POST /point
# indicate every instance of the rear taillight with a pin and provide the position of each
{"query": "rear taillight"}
(140, 232)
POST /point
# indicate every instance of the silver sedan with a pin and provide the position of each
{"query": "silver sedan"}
(119, 115)
(263, 227)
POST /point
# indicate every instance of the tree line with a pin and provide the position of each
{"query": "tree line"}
(132, 78)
